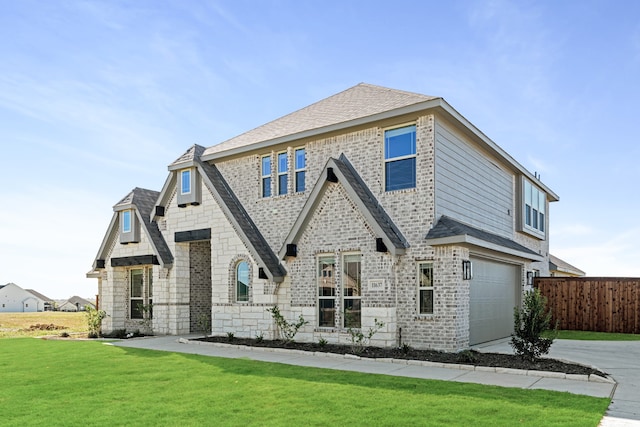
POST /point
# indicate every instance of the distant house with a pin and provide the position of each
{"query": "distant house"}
(49, 303)
(75, 303)
(560, 268)
(14, 299)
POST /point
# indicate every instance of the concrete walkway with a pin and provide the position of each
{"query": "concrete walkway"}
(619, 359)
(626, 401)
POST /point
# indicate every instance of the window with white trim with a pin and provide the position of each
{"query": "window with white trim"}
(400, 158)
(534, 208)
(242, 281)
(266, 176)
(326, 291)
(283, 173)
(126, 221)
(352, 290)
(185, 181)
(140, 293)
(300, 169)
(425, 288)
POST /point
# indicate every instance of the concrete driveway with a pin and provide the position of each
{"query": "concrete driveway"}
(619, 359)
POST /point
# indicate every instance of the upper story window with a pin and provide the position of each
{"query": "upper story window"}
(400, 158)
(300, 168)
(283, 173)
(126, 221)
(266, 176)
(185, 180)
(534, 208)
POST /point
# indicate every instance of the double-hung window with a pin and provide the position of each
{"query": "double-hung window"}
(425, 288)
(266, 176)
(351, 290)
(326, 291)
(140, 293)
(534, 208)
(400, 158)
(185, 181)
(283, 173)
(300, 168)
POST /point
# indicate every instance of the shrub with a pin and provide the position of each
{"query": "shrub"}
(529, 324)
(322, 342)
(288, 330)
(359, 340)
(94, 321)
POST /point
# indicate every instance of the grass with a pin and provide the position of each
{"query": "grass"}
(596, 336)
(18, 324)
(54, 382)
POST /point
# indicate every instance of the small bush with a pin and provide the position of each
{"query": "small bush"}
(529, 324)
(360, 340)
(259, 337)
(468, 356)
(322, 342)
(230, 336)
(288, 330)
(94, 320)
(405, 348)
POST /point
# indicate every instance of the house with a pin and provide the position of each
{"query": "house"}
(49, 303)
(75, 303)
(372, 204)
(560, 268)
(14, 299)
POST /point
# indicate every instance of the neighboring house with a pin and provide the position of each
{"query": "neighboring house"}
(14, 299)
(371, 204)
(49, 303)
(75, 303)
(560, 268)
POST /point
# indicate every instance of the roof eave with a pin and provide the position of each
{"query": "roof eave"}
(466, 240)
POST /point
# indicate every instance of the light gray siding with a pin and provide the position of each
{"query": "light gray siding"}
(469, 187)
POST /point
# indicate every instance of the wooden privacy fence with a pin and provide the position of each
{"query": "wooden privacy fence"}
(601, 304)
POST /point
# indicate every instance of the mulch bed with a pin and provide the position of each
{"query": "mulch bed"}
(467, 357)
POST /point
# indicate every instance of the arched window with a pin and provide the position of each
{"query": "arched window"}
(242, 281)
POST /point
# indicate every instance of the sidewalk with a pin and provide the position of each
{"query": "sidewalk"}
(577, 384)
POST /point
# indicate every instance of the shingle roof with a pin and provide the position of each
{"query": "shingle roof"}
(247, 227)
(193, 153)
(144, 200)
(556, 263)
(360, 101)
(38, 294)
(371, 203)
(448, 227)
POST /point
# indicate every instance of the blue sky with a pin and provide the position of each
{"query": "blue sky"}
(99, 97)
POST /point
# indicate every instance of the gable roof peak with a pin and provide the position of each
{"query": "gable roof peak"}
(193, 153)
(136, 196)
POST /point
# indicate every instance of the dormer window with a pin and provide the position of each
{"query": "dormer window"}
(129, 227)
(185, 181)
(126, 221)
(188, 187)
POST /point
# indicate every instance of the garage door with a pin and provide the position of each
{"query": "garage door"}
(495, 290)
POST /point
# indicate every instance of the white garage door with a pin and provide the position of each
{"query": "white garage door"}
(495, 290)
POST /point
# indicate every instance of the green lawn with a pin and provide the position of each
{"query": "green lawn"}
(596, 336)
(89, 383)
